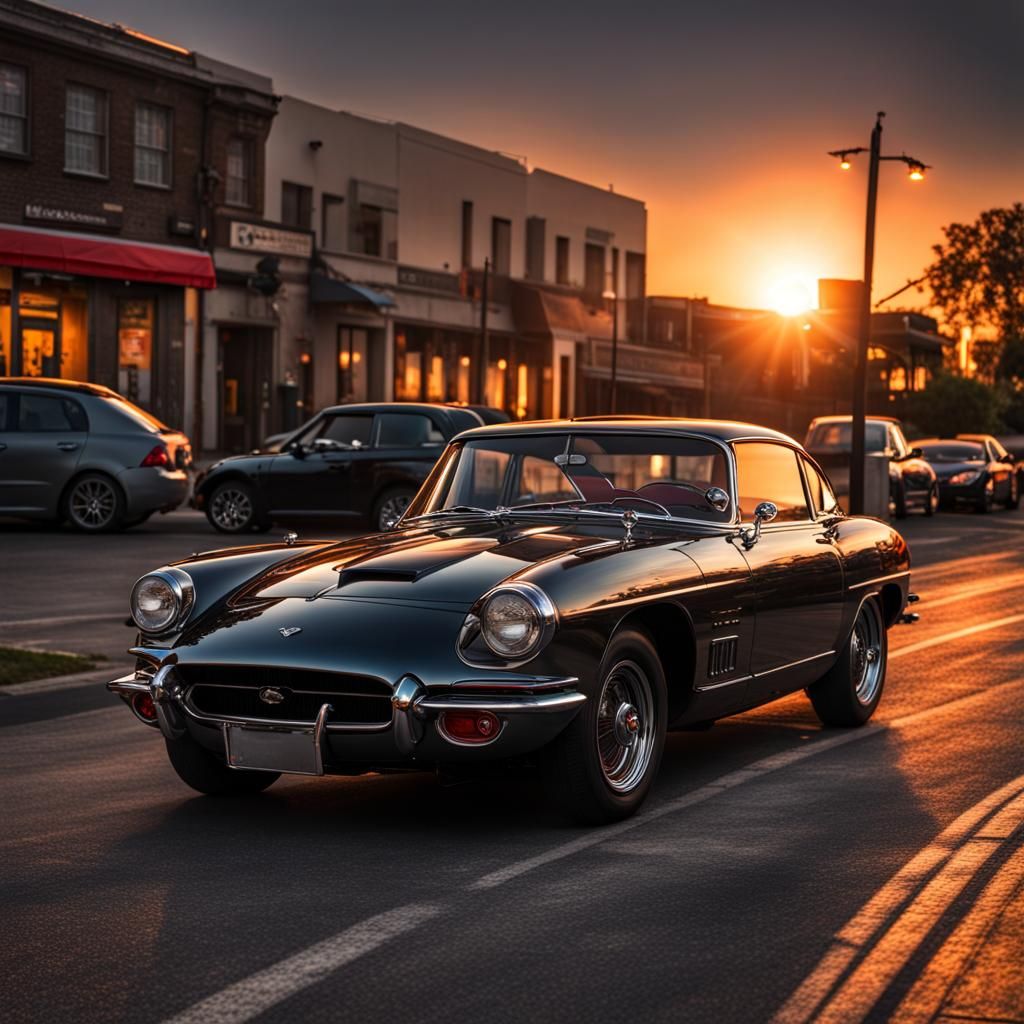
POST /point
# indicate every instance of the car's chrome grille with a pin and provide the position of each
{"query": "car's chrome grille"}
(284, 694)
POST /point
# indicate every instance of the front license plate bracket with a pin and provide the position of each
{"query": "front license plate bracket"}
(269, 748)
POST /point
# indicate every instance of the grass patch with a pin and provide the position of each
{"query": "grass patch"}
(19, 666)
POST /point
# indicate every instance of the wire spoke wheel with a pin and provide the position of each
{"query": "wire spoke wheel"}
(625, 733)
(866, 665)
(231, 508)
(92, 503)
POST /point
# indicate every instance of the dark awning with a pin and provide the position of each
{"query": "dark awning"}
(329, 289)
(72, 253)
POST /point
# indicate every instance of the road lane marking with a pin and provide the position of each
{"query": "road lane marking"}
(254, 995)
(959, 634)
(1012, 582)
(923, 1002)
(963, 839)
(60, 620)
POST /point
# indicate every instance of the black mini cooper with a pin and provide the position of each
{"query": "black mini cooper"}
(353, 463)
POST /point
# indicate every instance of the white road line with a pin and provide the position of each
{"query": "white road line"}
(254, 995)
(60, 620)
(958, 634)
(924, 1001)
(854, 936)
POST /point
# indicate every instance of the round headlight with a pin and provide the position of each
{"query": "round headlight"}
(513, 621)
(159, 600)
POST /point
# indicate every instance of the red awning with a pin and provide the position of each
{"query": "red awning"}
(71, 253)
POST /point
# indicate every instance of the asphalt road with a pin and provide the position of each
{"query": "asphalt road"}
(779, 871)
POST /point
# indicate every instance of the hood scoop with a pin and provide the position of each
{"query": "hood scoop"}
(365, 574)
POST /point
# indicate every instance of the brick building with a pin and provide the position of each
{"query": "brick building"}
(117, 152)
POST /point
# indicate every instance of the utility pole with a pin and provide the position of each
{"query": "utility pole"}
(485, 341)
(615, 350)
(858, 428)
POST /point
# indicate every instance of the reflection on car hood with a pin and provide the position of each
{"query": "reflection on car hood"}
(944, 470)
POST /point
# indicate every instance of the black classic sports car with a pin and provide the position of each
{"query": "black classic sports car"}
(558, 594)
(360, 463)
(974, 470)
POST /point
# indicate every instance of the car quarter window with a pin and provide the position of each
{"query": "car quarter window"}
(348, 429)
(897, 442)
(407, 430)
(770, 472)
(48, 413)
(822, 497)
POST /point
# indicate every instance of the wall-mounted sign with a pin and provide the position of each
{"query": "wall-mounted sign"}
(430, 280)
(181, 226)
(98, 220)
(260, 238)
(643, 363)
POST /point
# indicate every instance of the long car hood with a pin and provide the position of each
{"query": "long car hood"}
(451, 565)
(944, 470)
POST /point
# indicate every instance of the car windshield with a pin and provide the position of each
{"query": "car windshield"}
(140, 416)
(952, 451)
(653, 475)
(827, 438)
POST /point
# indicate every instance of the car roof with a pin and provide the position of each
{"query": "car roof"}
(974, 437)
(719, 430)
(847, 418)
(59, 384)
(963, 438)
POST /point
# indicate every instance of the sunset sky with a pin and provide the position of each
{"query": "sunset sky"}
(718, 115)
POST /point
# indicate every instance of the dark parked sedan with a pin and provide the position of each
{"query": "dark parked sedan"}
(559, 594)
(82, 453)
(973, 469)
(353, 463)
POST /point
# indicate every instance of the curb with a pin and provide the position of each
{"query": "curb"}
(32, 686)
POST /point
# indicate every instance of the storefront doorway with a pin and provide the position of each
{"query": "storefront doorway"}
(245, 355)
(39, 347)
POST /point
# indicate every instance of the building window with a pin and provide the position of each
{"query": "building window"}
(467, 233)
(85, 131)
(238, 180)
(635, 272)
(561, 260)
(13, 110)
(501, 246)
(376, 232)
(152, 145)
(296, 205)
(332, 230)
(535, 248)
(593, 269)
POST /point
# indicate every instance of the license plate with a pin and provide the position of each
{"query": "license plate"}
(273, 750)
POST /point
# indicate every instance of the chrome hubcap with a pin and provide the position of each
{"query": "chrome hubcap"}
(625, 726)
(92, 503)
(392, 510)
(231, 508)
(866, 655)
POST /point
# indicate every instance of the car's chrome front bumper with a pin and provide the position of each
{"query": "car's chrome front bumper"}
(532, 712)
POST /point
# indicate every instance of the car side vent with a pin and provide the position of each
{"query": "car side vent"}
(722, 656)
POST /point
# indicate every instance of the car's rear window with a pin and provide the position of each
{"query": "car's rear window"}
(952, 451)
(834, 437)
(138, 416)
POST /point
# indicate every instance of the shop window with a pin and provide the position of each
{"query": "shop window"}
(6, 293)
(535, 248)
(13, 110)
(562, 260)
(407, 430)
(238, 177)
(296, 205)
(593, 269)
(135, 349)
(332, 231)
(501, 246)
(85, 131)
(152, 145)
(352, 343)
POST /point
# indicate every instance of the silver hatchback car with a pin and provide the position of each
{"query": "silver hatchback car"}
(81, 453)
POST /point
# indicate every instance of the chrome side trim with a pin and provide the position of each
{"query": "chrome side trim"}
(540, 703)
(879, 579)
(518, 685)
(793, 664)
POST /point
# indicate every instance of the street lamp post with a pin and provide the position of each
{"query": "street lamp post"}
(860, 373)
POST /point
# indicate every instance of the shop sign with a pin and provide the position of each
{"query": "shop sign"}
(181, 226)
(650, 364)
(429, 280)
(101, 220)
(260, 238)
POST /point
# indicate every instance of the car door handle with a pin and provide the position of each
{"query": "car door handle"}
(67, 446)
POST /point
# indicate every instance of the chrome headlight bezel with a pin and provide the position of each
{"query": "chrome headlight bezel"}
(183, 592)
(541, 609)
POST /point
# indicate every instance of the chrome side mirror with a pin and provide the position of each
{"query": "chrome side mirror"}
(717, 498)
(765, 512)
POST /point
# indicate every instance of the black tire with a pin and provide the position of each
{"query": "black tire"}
(205, 772)
(899, 502)
(581, 762)
(986, 503)
(234, 507)
(1013, 498)
(390, 505)
(94, 503)
(848, 693)
(931, 505)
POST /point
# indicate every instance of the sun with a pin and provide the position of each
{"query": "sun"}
(793, 294)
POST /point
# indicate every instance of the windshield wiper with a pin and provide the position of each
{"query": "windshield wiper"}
(458, 510)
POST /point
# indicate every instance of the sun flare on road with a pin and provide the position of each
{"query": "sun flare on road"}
(792, 295)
